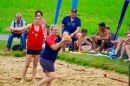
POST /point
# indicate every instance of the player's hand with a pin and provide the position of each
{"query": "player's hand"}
(97, 37)
(125, 40)
(8, 28)
(63, 39)
(94, 37)
(128, 35)
(66, 38)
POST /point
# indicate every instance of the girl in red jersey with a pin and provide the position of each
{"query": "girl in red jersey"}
(34, 45)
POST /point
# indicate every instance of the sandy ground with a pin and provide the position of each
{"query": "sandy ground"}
(11, 67)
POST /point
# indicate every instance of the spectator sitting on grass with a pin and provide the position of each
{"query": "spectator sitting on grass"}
(128, 53)
(19, 22)
(112, 36)
(121, 47)
(86, 43)
(128, 47)
(48, 30)
(101, 38)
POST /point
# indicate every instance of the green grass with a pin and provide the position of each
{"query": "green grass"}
(91, 12)
(11, 53)
(4, 42)
(97, 62)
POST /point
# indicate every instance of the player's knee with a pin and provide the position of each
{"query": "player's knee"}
(124, 44)
(52, 78)
(34, 65)
(27, 65)
(79, 34)
(65, 33)
(103, 41)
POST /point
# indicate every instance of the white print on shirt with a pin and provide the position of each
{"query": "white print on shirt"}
(71, 24)
(32, 32)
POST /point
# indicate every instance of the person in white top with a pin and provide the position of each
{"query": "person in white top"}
(19, 22)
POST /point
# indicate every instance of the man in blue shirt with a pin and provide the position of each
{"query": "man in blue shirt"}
(19, 22)
(71, 24)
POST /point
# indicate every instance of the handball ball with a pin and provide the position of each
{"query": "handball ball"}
(67, 37)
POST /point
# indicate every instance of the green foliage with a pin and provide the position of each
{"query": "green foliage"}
(3, 44)
(97, 62)
(90, 12)
(19, 54)
(121, 71)
(14, 53)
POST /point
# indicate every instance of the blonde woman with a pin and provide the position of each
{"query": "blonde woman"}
(48, 57)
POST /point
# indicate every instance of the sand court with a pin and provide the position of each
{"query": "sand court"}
(66, 74)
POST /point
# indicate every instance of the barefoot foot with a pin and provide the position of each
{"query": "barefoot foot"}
(34, 81)
(95, 52)
(120, 58)
(22, 81)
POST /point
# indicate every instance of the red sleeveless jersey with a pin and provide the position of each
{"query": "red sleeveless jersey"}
(35, 38)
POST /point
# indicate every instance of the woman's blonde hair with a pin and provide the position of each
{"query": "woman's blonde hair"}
(52, 26)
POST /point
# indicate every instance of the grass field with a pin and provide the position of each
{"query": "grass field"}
(11, 53)
(96, 61)
(91, 12)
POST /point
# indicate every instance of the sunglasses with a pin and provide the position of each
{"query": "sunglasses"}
(38, 15)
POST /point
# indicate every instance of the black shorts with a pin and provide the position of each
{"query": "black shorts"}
(47, 65)
(36, 52)
(73, 38)
(107, 44)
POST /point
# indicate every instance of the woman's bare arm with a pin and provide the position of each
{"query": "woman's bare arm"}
(43, 29)
(19, 29)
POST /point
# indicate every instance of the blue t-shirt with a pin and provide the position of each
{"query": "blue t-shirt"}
(71, 26)
(50, 54)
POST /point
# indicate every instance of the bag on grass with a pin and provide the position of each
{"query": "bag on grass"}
(17, 47)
